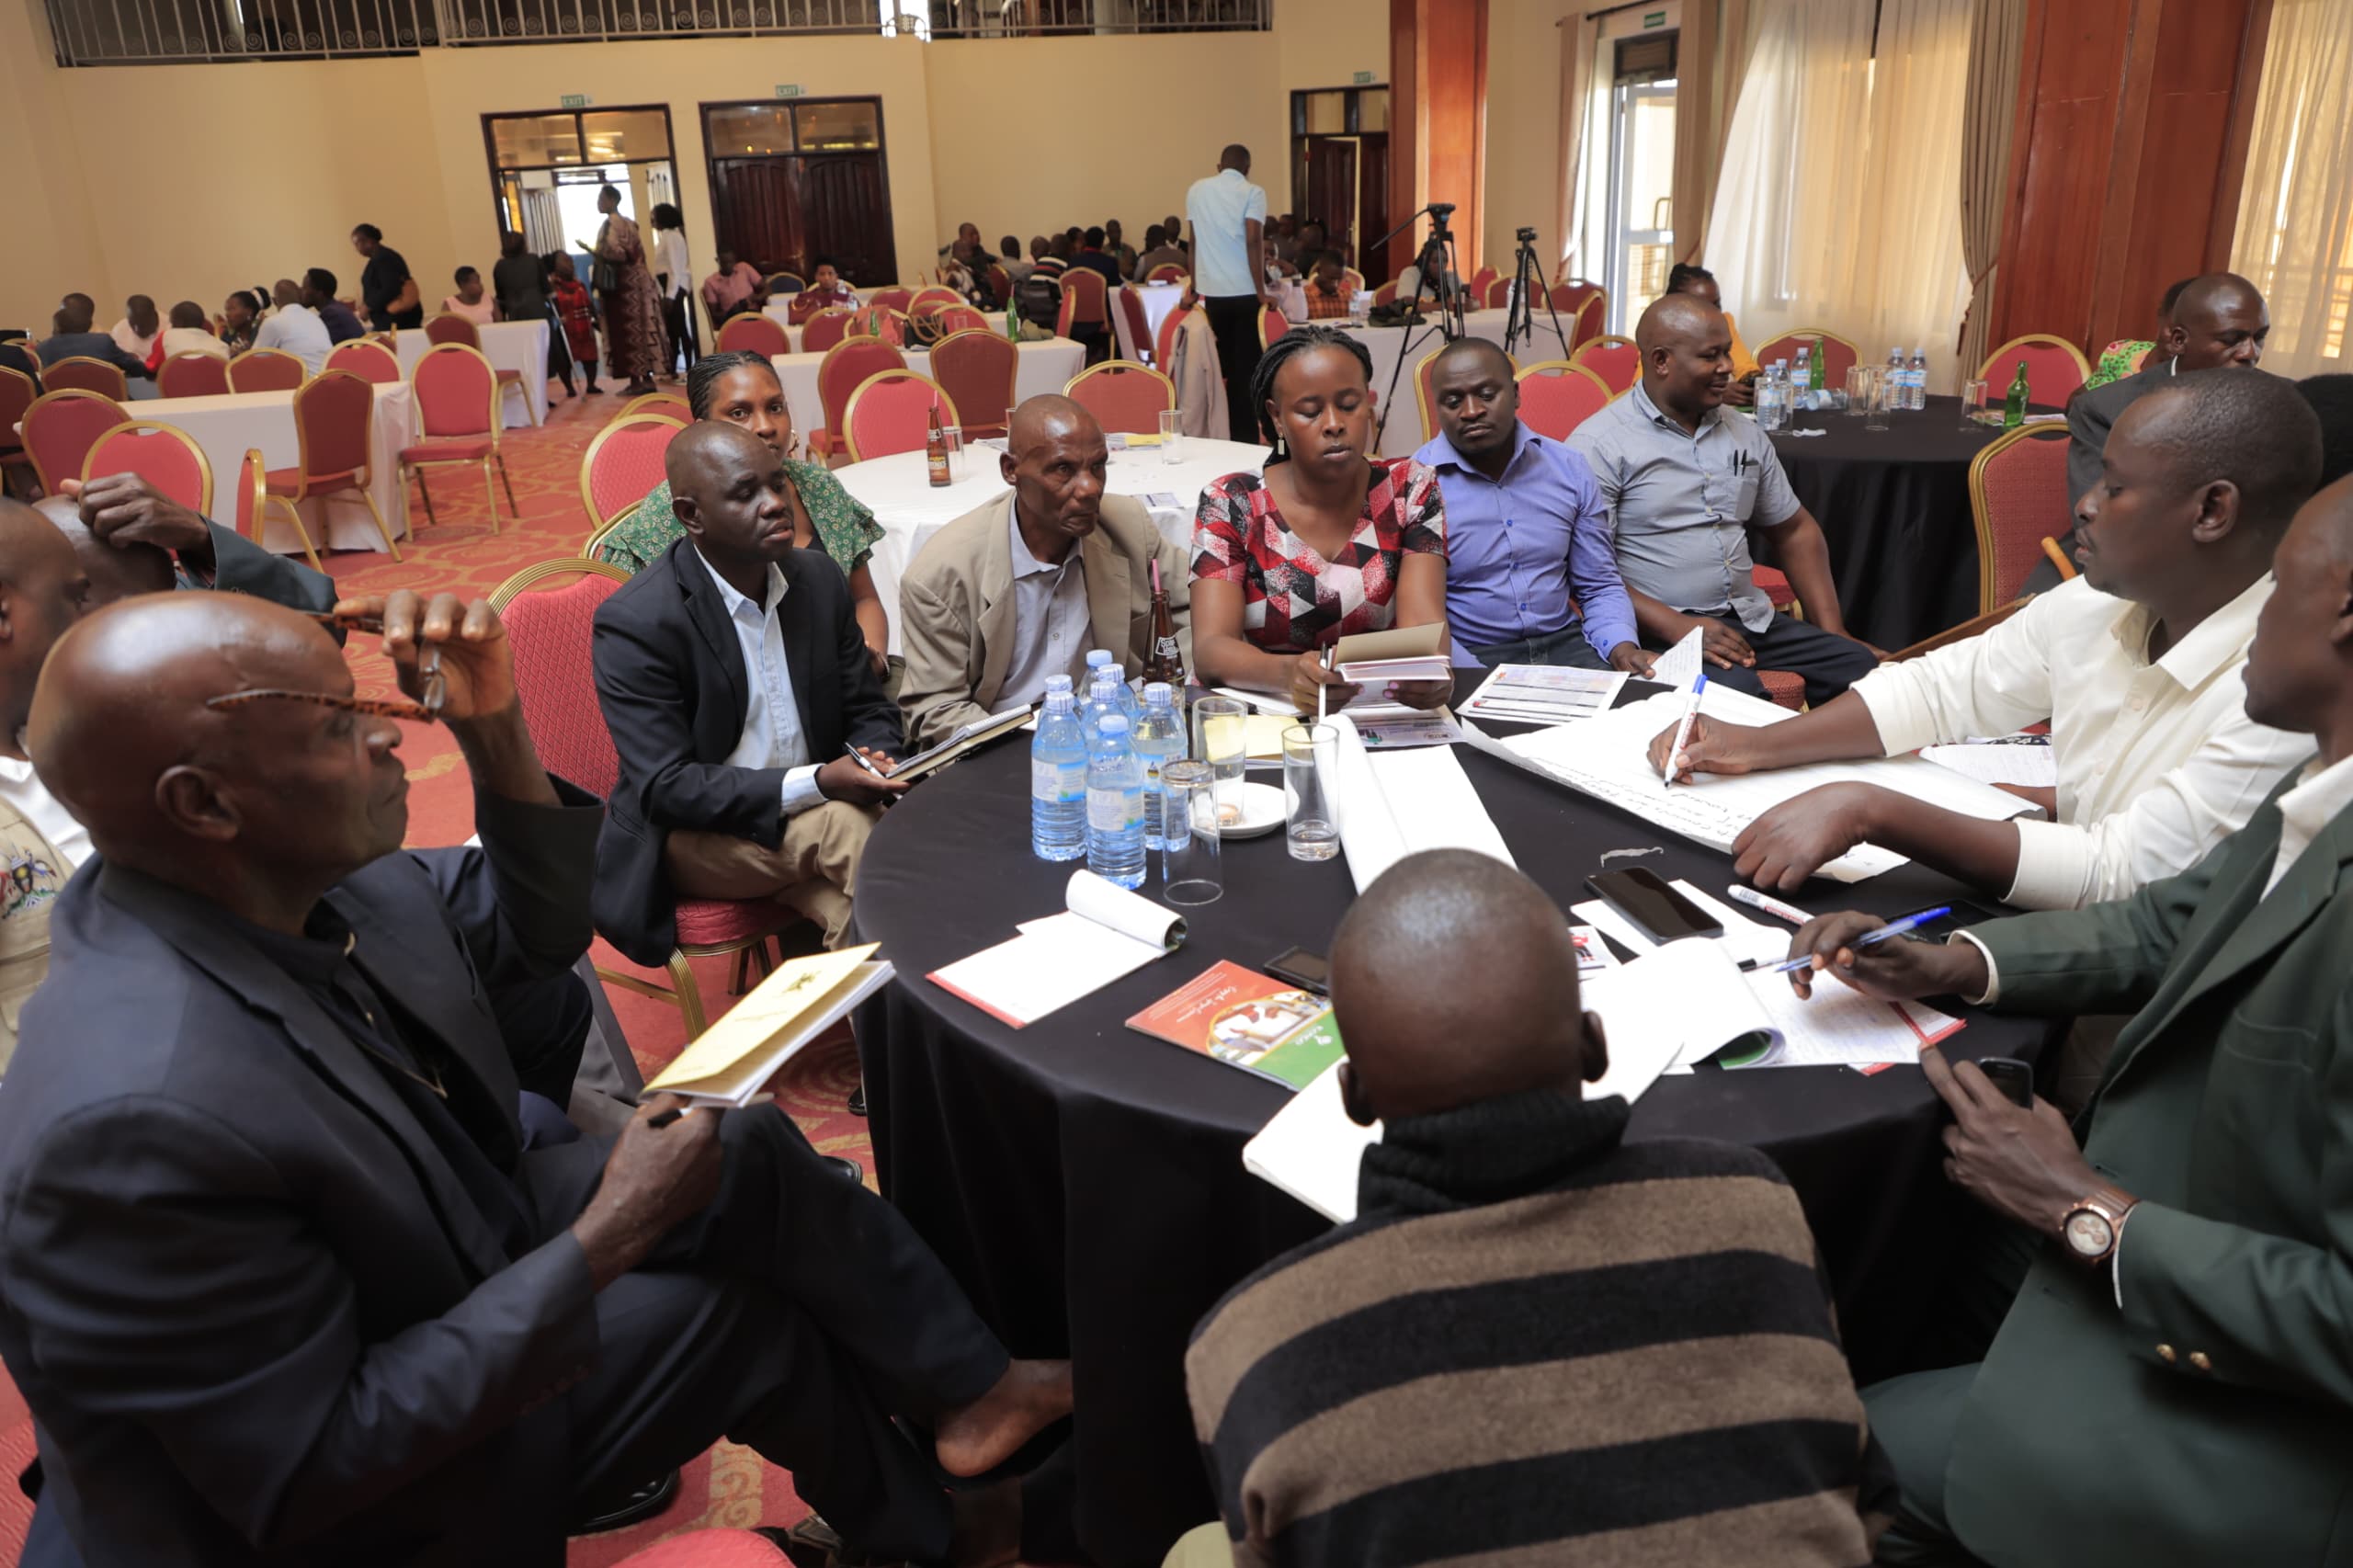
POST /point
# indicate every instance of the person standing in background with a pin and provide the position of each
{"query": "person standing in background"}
(385, 285)
(520, 281)
(673, 275)
(573, 309)
(625, 289)
(1228, 215)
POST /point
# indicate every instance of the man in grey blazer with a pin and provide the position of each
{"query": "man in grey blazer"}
(1020, 588)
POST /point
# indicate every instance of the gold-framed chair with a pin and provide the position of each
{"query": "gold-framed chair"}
(334, 425)
(2019, 500)
(885, 398)
(623, 463)
(1123, 395)
(599, 532)
(459, 416)
(166, 456)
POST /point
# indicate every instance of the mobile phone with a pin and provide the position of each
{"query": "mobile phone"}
(2013, 1078)
(1305, 969)
(1657, 910)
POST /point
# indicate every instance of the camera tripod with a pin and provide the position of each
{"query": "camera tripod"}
(1526, 288)
(1437, 274)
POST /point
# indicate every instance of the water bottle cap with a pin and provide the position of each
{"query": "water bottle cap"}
(1157, 695)
(1112, 725)
(1057, 683)
(1097, 657)
(1060, 701)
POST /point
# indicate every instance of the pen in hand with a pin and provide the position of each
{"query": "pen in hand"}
(1904, 926)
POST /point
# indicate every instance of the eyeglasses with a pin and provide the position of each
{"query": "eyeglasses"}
(367, 706)
(428, 668)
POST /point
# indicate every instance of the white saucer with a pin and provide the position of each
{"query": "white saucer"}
(1261, 807)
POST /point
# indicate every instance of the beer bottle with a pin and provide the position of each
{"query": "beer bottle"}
(2014, 404)
(935, 451)
(1166, 663)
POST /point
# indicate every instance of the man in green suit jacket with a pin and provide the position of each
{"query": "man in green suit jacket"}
(2173, 1382)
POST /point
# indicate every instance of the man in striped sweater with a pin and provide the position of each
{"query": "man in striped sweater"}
(1536, 1343)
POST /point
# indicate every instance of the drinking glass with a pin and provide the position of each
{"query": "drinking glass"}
(953, 435)
(1312, 817)
(1877, 390)
(1172, 435)
(1189, 867)
(1221, 739)
(1973, 399)
(1858, 388)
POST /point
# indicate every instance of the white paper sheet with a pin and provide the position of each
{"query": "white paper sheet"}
(1398, 803)
(1310, 1150)
(2029, 762)
(1544, 694)
(1106, 932)
(1681, 664)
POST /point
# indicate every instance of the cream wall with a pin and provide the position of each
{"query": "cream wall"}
(1524, 126)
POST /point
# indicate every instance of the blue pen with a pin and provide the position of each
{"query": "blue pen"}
(1683, 730)
(1893, 929)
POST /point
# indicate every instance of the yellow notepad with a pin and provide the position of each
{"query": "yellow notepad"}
(729, 1062)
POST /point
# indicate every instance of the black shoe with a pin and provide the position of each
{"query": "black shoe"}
(857, 1100)
(850, 1169)
(814, 1543)
(631, 1508)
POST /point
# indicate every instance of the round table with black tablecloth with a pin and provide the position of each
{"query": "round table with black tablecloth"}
(1893, 504)
(1085, 1181)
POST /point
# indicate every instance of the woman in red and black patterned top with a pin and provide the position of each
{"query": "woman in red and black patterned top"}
(1326, 543)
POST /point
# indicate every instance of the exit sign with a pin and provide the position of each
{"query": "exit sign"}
(1364, 78)
(1653, 19)
(788, 89)
(573, 101)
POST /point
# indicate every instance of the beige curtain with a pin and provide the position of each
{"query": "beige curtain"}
(1577, 36)
(1996, 39)
(2295, 229)
(1696, 140)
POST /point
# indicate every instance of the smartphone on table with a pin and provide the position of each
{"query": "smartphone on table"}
(1655, 909)
(1307, 971)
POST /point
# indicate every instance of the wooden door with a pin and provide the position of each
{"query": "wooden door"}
(847, 212)
(756, 209)
(1331, 198)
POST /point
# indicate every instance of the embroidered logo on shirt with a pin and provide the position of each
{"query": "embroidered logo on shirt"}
(31, 881)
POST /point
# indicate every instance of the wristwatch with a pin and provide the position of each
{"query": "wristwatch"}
(2091, 1225)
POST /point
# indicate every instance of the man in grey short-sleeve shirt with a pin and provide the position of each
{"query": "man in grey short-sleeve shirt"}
(1685, 479)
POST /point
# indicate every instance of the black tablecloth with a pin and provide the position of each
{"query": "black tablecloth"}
(1084, 1182)
(1894, 506)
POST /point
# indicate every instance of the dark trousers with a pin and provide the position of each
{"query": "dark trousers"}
(678, 331)
(797, 1314)
(1567, 646)
(1912, 1418)
(1829, 663)
(1233, 320)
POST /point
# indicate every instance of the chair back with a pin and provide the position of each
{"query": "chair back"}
(978, 369)
(1272, 323)
(266, 370)
(457, 393)
(1497, 295)
(1615, 360)
(253, 480)
(451, 328)
(333, 415)
(60, 429)
(892, 299)
(1132, 311)
(1000, 283)
(1166, 272)
(669, 404)
(1838, 356)
(550, 613)
(890, 412)
(846, 365)
(1425, 396)
(1569, 298)
(79, 371)
(194, 375)
(1555, 397)
(825, 329)
(1084, 286)
(1386, 294)
(164, 455)
(932, 297)
(1587, 325)
(624, 462)
(16, 394)
(786, 283)
(953, 319)
(2017, 493)
(1352, 281)
(1480, 281)
(1163, 346)
(369, 361)
(1065, 308)
(749, 332)
(1124, 396)
(2054, 368)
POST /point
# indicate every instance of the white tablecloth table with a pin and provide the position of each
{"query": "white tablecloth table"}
(508, 346)
(897, 490)
(1403, 433)
(1044, 366)
(227, 424)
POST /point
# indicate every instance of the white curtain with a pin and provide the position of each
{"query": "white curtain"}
(2295, 227)
(1838, 206)
(1584, 148)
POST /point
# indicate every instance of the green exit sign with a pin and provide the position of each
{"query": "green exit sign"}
(1653, 19)
(573, 101)
(1364, 78)
(788, 89)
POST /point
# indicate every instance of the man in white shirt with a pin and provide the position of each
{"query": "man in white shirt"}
(2136, 664)
(295, 328)
(1228, 217)
(189, 335)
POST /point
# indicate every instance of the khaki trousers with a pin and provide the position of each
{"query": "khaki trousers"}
(814, 867)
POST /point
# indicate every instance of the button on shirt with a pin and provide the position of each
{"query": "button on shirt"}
(772, 735)
(1049, 621)
(1217, 207)
(1520, 549)
(2157, 760)
(1681, 501)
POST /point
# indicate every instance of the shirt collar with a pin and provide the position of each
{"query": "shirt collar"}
(1641, 398)
(313, 960)
(1440, 452)
(2319, 795)
(1024, 563)
(2219, 640)
(736, 603)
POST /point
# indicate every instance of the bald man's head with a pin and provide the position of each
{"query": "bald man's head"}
(1056, 460)
(2218, 319)
(2298, 672)
(1453, 980)
(1686, 345)
(729, 492)
(274, 790)
(43, 590)
(115, 570)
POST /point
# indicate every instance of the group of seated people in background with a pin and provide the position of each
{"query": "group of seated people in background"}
(1537, 1340)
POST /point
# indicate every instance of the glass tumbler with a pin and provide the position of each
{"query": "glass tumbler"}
(1310, 766)
(1190, 866)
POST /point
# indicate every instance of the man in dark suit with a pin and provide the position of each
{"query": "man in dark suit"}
(75, 338)
(2173, 1382)
(138, 522)
(280, 1277)
(735, 682)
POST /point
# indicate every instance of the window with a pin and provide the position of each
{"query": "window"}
(158, 32)
(2295, 227)
(547, 165)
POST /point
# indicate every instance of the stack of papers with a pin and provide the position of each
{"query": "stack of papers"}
(1544, 694)
(1399, 804)
(2021, 759)
(730, 1062)
(1105, 932)
(1379, 672)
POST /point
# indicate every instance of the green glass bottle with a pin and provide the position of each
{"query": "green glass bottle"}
(1815, 373)
(2014, 403)
(1012, 315)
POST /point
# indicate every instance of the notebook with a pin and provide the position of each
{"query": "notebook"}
(730, 1062)
(965, 738)
(1248, 1020)
(1103, 933)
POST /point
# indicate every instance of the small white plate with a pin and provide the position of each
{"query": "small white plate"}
(1260, 811)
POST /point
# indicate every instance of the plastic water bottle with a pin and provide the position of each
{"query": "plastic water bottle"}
(1114, 804)
(1773, 396)
(1058, 779)
(1915, 382)
(1103, 689)
(1159, 738)
(1899, 384)
(1799, 382)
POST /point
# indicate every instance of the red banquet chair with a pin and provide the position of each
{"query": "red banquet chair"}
(892, 299)
(1164, 346)
(846, 365)
(1124, 396)
(623, 463)
(960, 318)
(978, 370)
(449, 328)
(1084, 289)
(1480, 281)
(824, 330)
(2018, 494)
(749, 332)
(931, 296)
(1555, 397)
(1838, 356)
(253, 475)
(266, 370)
(2054, 368)
(16, 394)
(1139, 324)
(164, 455)
(457, 410)
(1166, 272)
(371, 362)
(890, 412)
(193, 375)
(549, 611)
(60, 428)
(79, 371)
(1615, 360)
(1272, 323)
(333, 418)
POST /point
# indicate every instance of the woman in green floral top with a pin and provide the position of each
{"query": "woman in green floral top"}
(743, 389)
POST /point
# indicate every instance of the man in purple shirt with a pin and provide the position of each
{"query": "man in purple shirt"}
(1531, 578)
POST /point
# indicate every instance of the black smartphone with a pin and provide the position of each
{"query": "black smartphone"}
(1305, 969)
(2013, 1078)
(1657, 911)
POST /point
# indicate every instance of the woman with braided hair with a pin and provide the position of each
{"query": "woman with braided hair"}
(1326, 543)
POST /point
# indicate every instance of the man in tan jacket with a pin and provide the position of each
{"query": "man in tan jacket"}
(1019, 590)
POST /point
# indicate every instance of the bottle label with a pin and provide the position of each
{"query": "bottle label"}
(1114, 811)
(1055, 780)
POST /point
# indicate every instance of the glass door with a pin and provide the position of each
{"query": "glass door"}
(1642, 209)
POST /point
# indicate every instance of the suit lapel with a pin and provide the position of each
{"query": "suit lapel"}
(807, 658)
(709, 614)
(1106, 595)
(996, 621)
